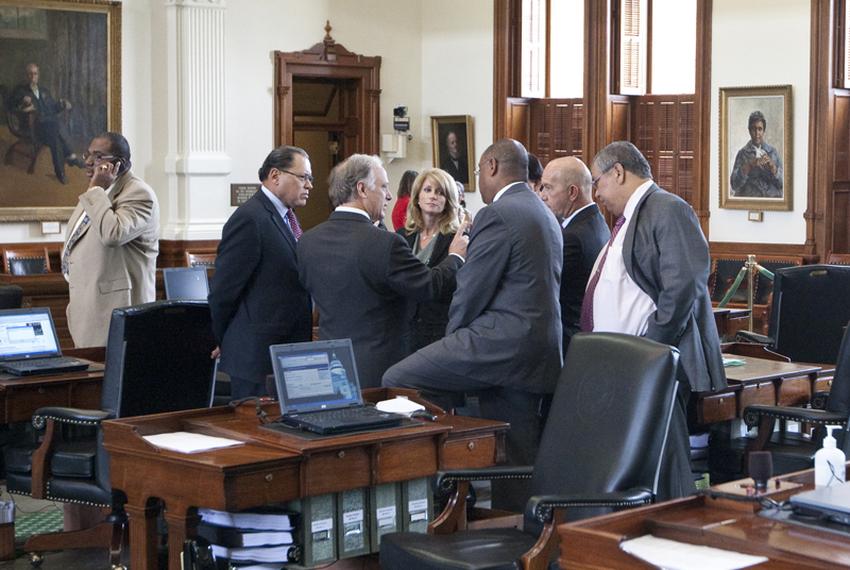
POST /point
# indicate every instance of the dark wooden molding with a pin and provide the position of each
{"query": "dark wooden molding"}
(507, 67)
(702, 115)
(597, 76)
(762, 249)
(172, 253)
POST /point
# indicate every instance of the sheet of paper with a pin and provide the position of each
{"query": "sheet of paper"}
(399, 405)
(186, 442)
(673, 555)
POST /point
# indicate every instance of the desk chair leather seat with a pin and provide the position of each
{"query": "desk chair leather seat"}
(601, 450)
(11, 296)
(157, 360)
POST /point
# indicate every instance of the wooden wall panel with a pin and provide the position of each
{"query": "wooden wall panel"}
(519, 120)
(841, 138)
(556, 128)
(841, 227)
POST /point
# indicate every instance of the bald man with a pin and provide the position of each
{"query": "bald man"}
(565, 188)
(503, 339)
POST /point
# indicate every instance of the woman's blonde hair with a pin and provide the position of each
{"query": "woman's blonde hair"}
(448, 222)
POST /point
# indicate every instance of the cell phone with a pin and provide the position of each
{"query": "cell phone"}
(117, 165)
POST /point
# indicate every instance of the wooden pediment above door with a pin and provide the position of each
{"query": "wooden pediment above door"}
(360, 82)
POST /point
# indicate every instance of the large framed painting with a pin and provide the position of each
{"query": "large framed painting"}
(60, 85)
(756, 146)
(454, 148)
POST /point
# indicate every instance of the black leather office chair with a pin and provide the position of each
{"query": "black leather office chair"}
(811, 307)
(791, 451)
(11, 296)
(600, 451)
(157, 360)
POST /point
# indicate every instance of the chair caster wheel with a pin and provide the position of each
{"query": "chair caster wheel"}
(36, 559)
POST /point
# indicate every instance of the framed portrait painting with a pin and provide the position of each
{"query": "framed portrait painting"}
(60, 86)
(454, 148)
(756, 146)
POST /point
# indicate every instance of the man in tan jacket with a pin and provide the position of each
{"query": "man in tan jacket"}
(111, 242)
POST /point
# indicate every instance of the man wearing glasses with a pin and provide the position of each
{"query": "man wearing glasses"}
(255, 297)
(651, 280)
(111, 243)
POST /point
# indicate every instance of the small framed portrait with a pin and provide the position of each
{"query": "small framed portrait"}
(60, 86)
(454, 148)
(756, 147)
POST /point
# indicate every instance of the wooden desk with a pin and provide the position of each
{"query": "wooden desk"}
(272, 467)
(729, 321)
(758, 381)
(594, 543)
(21, 396)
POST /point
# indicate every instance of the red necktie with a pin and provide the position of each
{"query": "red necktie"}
(586, 321)
(294, 226)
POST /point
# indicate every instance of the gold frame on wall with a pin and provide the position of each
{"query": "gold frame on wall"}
(55, 201)
(736, 104)
(440, 127)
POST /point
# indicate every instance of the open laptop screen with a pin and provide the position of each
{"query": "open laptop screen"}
(27, 333)
(186, 283)
(315, 376)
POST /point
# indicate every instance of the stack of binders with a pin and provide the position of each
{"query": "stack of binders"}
(255, 540)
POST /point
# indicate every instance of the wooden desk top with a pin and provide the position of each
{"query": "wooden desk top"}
(21, 396)
(761, 370)
(701, 520)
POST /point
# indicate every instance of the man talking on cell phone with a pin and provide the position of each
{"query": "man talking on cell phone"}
(111, 242)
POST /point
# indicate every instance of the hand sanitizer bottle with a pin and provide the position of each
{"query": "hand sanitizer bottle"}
(829, 462)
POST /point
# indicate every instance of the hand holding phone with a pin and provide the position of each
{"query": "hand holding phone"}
(104, 174)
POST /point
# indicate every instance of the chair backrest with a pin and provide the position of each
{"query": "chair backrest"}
(839, 393)
(811, 307)
(200, 258)
(11, 297)
(26, 261)
(158, 358)
(610, 415)
(838, 258)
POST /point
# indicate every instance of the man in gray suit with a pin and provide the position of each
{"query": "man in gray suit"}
(504, 333)
(651, 280)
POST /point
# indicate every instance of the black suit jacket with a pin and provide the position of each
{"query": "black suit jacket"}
(363, 281)
(431, 317)
(255, 297)
(584, 237)
(459, 172)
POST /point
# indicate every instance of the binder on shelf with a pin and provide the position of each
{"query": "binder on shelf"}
(353, 523)
(318, 517)
(384, 511)
(417, 505)
(267, 518)
(241, 538)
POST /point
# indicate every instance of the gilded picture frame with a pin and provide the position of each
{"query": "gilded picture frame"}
(74, 48)
(756, 148)
(454, 147)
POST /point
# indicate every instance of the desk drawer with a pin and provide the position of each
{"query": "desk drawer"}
(823, 384)
(759, 393)
(795, 391)
(333, 471)
(22, 402)
(272, 485)
(469, 452)
(404, 460)
(717, 408)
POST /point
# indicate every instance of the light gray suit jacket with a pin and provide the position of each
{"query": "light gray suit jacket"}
(666, 255)
(505, 318)
(113, 264)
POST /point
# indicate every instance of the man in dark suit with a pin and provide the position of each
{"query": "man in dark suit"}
(31, 99)
(566, 189)
(454, 160)
(363, 279)
(255, 297)
(504, 332)
(651, 280)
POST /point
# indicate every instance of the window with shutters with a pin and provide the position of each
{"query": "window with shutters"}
(841, 39)
(552, 48)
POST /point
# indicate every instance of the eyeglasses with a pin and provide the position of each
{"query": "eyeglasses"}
(596, 180)
(97, 156)
(477, 171)
(304, 178)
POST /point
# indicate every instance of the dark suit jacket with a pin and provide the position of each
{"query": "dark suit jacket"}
(666, 255)
(459, 173)
(255, 297)
(364, 281)
(584, 237)
(431, 317)
(505, 320)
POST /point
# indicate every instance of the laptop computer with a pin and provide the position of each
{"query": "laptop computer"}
(29, 345)
(830, 503)
(319, 390)
(186, 283)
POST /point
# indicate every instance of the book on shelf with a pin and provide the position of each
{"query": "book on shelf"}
(257, 519)
(261, 554)
(239, 538)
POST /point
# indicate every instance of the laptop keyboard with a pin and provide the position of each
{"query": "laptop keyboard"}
(52, 362)
(333, 417)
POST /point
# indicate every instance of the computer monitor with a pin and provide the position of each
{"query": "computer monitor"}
(186, 283)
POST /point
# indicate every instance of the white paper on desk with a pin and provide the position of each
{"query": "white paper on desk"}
(186, 442)
(399, 405)
(673, 555)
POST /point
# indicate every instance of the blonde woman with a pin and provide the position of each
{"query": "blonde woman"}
(432, 221)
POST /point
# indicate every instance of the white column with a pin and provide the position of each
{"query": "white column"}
(196, 163)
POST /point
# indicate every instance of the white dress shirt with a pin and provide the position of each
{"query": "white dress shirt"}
(619, 305)
(570, 218)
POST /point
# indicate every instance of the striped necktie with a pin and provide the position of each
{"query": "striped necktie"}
(586, 321)
(66, 253)
(294, 226)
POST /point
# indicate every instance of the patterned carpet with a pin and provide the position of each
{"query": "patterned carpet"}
(27, 524)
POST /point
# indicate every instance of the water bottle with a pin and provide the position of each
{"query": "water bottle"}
(339, 379)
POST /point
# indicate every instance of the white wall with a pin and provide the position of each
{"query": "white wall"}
(756, 43)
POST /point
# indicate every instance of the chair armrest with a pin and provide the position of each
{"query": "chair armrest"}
(446, 480)
(541, 508)
(69, 416)
(757, 338)
(754, 414)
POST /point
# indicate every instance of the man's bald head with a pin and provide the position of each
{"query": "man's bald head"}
(503, 162)
(566, 186)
